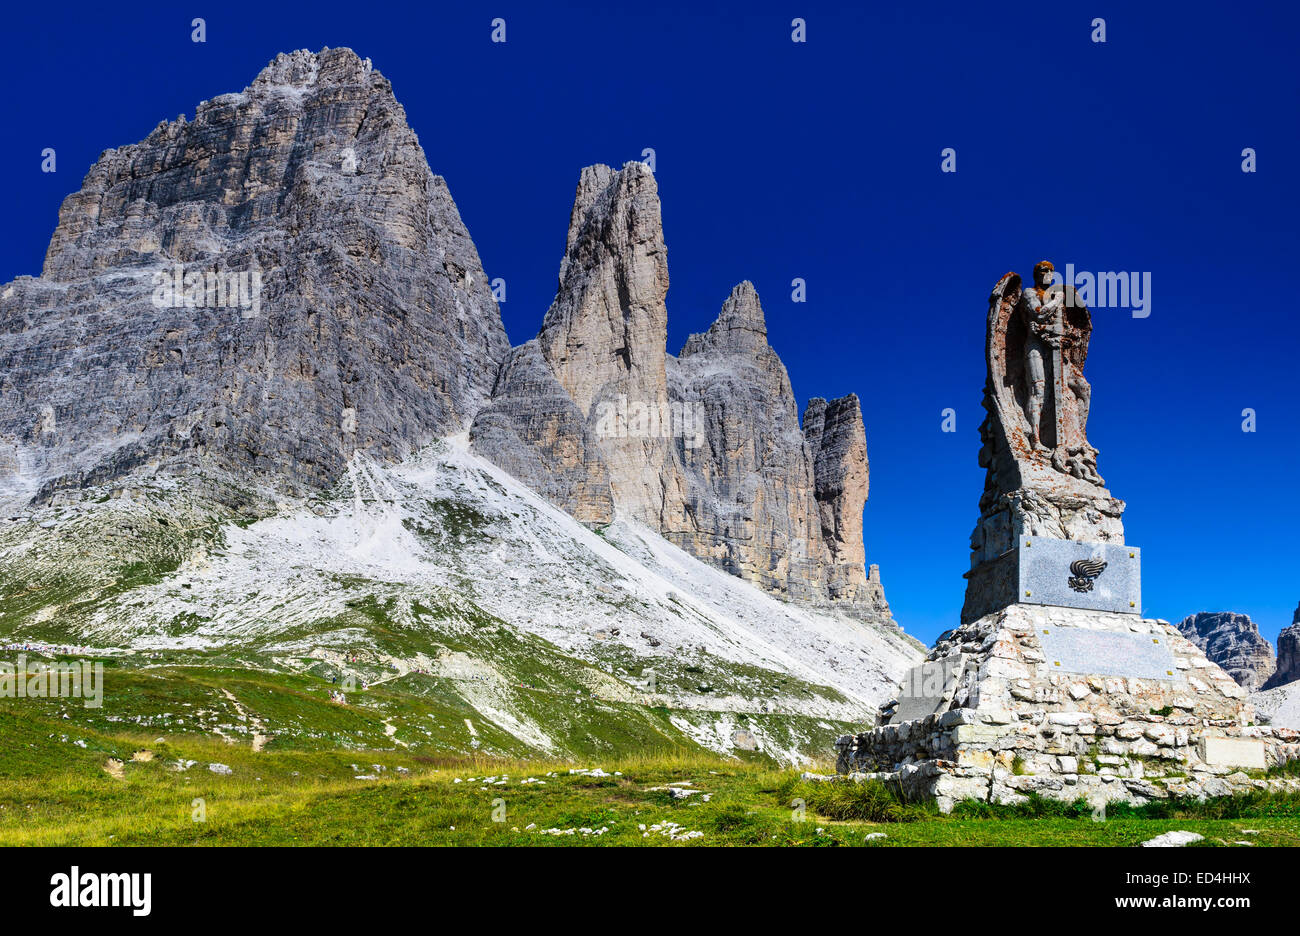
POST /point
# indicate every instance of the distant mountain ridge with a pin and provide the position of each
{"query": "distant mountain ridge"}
(1233, 641)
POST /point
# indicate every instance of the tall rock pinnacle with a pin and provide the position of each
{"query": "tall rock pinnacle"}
(609, 324)
(605, 333)
(838, 441)
(751, 482)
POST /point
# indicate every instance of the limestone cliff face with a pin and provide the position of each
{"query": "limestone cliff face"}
(1232, 641)
(365, 321)
(1288, 655)
(751, 506)
(838, 443)
(705, 447)
(534, 430)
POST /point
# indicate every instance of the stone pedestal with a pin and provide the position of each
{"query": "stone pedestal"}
(1068, 573)
(1068, 703)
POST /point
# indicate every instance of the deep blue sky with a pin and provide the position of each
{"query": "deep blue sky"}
(821, 161)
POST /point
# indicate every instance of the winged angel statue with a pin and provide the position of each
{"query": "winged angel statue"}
(1037, 346)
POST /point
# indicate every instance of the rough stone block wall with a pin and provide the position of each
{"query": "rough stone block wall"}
(1010, 724)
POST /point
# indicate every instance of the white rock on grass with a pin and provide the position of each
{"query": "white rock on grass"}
(1176, 839)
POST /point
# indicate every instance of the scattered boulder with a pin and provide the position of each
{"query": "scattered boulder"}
(1176, 839)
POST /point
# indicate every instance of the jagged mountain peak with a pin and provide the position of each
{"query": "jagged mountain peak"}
(265, 289)
(705, 447)
(303, 438)
(606, 330)
(303, 68)
(375, 332)
(741, 326)
(614, 209)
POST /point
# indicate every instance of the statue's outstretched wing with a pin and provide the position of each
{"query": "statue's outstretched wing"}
(1078, 329)
(1005, 350)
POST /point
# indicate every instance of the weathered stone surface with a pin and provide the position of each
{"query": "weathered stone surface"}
(1288, 655)
(1175, 839)
(777, 505)
(838, 441)
(1040, 483)
(1279, 705)
(533, 430)
(752, 484)
(1233, 642)
(1234, 752)
(374, 328)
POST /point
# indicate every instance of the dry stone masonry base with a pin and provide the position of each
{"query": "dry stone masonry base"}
(990, 715)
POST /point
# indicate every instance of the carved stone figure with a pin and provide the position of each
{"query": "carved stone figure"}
(1046, 329)
(1042, 475)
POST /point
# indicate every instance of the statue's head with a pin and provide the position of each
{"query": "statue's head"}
(1043, 271)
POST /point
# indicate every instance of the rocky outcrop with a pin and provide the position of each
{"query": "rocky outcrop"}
(837, 440)
(750, 505)
(281, 283)
(534, 430)
(1288, 655)
(1231, 640)
(705, 447)
(604, 335)
(267, 288)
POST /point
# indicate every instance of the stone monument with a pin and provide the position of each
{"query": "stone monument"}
(1054, 683)
(1042, 481)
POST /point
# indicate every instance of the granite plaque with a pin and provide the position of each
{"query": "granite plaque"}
(1071, 574)
(927, 688)
(1107, 653)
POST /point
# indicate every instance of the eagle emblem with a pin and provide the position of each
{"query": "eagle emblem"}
(1085, 572)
